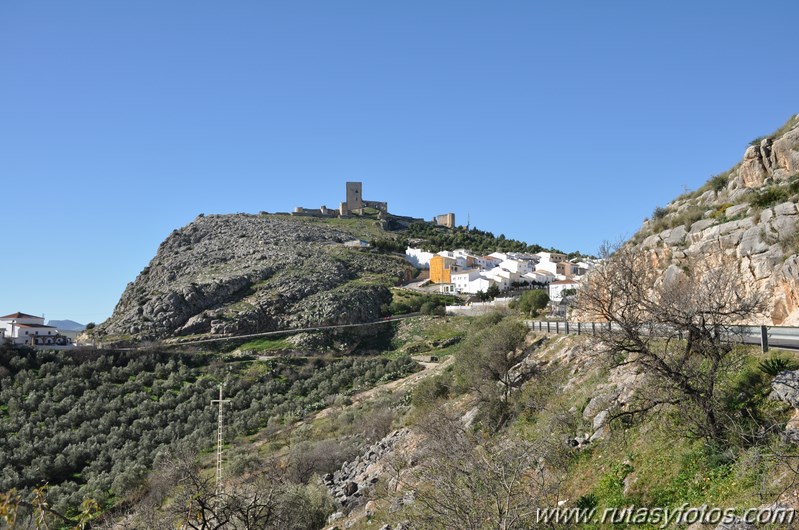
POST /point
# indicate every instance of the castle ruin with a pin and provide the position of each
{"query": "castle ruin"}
(353, 205)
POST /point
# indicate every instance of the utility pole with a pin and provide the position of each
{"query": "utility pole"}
(219, 440)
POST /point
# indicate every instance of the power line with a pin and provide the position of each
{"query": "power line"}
(219, 439)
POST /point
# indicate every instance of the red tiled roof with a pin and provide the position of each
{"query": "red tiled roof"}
(37, 326)
(20, 315)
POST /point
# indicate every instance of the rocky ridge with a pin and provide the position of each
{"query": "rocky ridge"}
(237, 274)
(745, 218)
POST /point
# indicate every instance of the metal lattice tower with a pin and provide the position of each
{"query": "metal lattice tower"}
(219, 440)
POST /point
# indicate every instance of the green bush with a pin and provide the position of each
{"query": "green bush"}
(430, 390)
(770, 196)
(432, 308)
(433, 238)
(685, 218)
(720, 212)
(399, 308)
(719, 182)
(775, 365)
(531, 302)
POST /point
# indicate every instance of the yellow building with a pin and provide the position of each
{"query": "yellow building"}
(441, 269)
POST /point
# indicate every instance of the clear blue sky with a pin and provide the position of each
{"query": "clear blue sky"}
(561, 123)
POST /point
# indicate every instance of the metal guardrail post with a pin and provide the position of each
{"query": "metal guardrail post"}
(566, 328)
(548, 326)
(578, 328)
(593, 329)
(764, 338)
(557, 327)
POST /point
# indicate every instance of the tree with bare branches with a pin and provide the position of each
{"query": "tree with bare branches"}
(678, 326)
(470, 481)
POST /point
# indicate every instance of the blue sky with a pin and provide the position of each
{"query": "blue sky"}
(560, 123)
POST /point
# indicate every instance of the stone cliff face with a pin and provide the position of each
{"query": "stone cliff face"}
(237, 274)
(745, 218)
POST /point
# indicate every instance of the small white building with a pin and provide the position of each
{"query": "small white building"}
(502, 278)
(418, 257)
(518, 266)
(446, 288)
(551, 257)
(462, 279)
(538, 277)
(357, 243)
(556, 289)
(479, 285)
(501, 256)
(22, 328)
(488, 262)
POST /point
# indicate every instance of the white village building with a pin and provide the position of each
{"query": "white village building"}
(418, 257)
(556, 289)
(21, 328)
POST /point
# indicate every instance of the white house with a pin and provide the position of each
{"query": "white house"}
(418, 257)
(501, 277)
(518, 266)
(584, 267)
(556, 288)
(22, 328)
(462, 279)
(501, 256)
(538, 277)
(562, 270)
(488, 262)
(552, 257)
(478, 285)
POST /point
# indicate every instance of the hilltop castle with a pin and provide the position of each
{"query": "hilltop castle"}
(355, 204)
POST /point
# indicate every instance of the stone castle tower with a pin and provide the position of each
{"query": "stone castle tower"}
(354, 196)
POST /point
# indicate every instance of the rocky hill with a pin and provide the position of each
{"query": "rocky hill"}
(237, 274)
(744, 218)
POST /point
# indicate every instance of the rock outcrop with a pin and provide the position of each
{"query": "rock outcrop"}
(237, 274)
(349, 484)
(746, 219)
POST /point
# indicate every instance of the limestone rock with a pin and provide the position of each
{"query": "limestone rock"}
(758, 243)
(349, 485)
(237, 274)
(785, 387)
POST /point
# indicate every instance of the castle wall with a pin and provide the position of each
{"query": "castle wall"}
(377, 205)
(446, 219)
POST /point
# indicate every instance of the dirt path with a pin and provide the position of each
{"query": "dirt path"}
(405, 383)
(430, 369)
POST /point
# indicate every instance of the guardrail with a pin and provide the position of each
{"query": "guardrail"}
(782, 337)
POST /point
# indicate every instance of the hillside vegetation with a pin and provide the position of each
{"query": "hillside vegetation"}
(504, 414)
(91, 425)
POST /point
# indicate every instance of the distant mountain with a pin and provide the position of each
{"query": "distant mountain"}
(66, 325)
